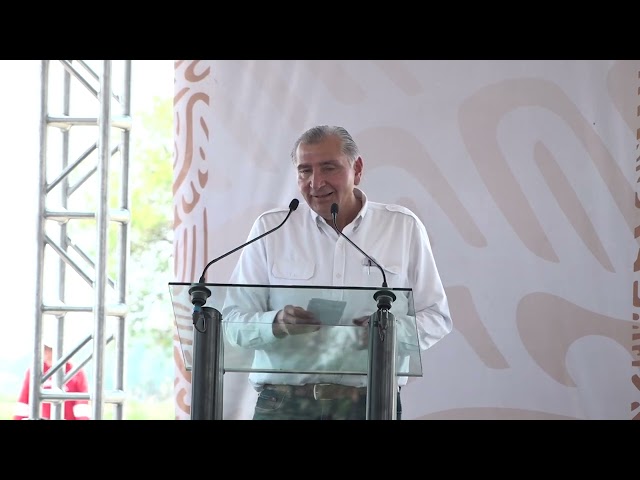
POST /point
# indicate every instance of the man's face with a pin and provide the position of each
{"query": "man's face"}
(325, 176)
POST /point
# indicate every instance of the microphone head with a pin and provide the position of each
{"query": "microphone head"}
(294, 204)
(334, 209)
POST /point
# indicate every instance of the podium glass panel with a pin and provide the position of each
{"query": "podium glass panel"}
(336, 346)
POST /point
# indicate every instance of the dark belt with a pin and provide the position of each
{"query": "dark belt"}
(320, 391)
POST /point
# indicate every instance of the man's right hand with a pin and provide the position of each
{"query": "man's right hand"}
(292, 320)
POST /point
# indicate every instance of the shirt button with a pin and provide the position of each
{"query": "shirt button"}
(338, 275)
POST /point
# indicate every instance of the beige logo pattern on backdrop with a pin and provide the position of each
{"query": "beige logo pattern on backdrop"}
(524, 173)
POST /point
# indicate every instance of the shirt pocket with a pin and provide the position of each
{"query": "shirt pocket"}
(392, 271)
(293, 271)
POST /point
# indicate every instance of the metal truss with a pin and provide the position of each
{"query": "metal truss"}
(83, 231)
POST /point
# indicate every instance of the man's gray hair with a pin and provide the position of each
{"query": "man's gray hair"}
(317, 134)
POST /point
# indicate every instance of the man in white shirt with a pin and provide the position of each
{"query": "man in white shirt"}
(308, 251)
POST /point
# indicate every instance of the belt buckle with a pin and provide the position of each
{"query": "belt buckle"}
(316, 392)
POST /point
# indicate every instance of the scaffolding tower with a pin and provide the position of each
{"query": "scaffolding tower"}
(83, 232)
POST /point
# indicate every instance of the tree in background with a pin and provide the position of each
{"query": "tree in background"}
(150, 318)
(151, 227)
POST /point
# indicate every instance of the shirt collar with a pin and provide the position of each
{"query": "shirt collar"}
(365, 205)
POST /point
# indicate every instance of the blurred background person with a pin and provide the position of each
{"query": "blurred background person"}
(71, 409)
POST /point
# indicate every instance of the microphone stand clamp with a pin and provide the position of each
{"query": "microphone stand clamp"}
(384, 298)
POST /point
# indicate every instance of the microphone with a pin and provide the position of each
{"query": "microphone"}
(334, 214)
(200, 293)
(384, 301)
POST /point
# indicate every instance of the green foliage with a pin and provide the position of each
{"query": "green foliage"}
(151, 248)
(152, 178)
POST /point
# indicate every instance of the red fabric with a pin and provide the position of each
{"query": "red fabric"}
(78, 383)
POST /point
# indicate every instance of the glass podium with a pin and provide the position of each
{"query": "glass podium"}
(229, 328)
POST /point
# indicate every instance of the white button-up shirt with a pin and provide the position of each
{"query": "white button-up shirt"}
(307, 251)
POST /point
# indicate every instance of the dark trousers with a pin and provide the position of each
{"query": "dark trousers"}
(278, 403)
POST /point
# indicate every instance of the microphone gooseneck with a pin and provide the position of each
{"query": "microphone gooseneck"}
(334, 214)
(199, 292)
(292, 206)
(384, 297)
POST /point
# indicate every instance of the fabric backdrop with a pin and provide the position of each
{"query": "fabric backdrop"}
(524, 173)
